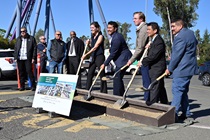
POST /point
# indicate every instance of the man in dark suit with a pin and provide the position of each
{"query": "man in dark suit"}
(183, 65)
(157, 64)
(25, 54)
(120, 54)
(75, 48)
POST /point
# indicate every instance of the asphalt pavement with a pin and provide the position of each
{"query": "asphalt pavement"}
(19, 121)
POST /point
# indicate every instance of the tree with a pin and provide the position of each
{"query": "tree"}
(205, 47)
(198, 37)
(2, 32)
(124, 29)
(84, 38)
(168, 9)
(38, 34)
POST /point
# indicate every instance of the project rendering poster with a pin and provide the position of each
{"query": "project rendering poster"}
(55, 92)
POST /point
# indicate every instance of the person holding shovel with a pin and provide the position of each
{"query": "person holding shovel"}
(97, 55)
(141, 41)
(156, 62)
(120, 54)
(182, 66)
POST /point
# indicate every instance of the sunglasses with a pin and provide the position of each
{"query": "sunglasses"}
(23, 31)
(43, 38)
(58, 34)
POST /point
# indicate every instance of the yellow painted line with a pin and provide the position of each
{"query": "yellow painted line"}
(60, 124)
(2, 100)
(83, 125)
(14, 92)
(4, 112)
(33, 122)
(15, 117)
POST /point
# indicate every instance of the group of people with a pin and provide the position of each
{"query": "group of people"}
(182, 65)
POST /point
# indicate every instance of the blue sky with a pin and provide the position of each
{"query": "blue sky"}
(73, 15)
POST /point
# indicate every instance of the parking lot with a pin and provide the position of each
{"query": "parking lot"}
(20, 121)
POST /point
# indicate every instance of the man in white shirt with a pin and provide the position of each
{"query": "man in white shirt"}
(75, 48)
(25, 55)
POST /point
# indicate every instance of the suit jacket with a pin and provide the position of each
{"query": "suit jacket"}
(31, 48)
(119, 51)
(141, 40)
(156, 57)
(183, 58)
(79, 46)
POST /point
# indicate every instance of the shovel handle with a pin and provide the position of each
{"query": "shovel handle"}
(144, 54)
(123, 67)
(96, 76)
(160, 77)
(80, 64)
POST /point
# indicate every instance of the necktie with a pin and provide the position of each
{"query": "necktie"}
(71, 46)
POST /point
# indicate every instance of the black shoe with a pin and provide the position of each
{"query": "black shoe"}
(182, 117)
(22, 89)
(149, 103)
(33, 89)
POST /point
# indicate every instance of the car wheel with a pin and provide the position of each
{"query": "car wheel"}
(132, 71)
(206, 79)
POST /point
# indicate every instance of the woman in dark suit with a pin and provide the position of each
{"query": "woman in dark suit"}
(97, 55)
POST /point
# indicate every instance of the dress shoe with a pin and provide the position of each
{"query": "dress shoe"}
(22, 89)
(182, 117)
(33, 89)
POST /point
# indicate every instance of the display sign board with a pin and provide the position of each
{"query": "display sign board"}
(55, 92)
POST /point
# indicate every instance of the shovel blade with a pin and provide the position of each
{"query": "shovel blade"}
(105, 79)
(88, 97)
(145, 89)
(119, 104)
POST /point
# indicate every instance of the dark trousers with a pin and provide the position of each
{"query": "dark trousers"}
(158, 92)
(25, 66)
(43, 65)
(97, 62)
(146, 80)
(118, 84)
(72, 67)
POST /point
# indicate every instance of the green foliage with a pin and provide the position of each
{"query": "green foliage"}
(84, 38)
(4, 43)
(39, 33)
(124, 29)
(184, 9)
(205, 47)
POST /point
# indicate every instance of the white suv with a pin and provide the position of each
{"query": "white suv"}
(7, 63)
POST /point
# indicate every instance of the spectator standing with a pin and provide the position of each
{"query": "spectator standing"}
(56, 53)
(75, 48)
(42, 49)
(25, 54)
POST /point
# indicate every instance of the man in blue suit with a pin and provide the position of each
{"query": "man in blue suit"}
(120, 54)
(183, 65)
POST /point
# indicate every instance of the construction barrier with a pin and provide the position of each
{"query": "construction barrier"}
(38, 65)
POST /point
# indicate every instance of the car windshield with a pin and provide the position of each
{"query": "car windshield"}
(7, 54)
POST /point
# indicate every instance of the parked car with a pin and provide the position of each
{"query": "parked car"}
(204, 73)
(131, 69)
(7, 63)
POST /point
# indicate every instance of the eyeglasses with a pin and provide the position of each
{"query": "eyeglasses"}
(43, 38)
